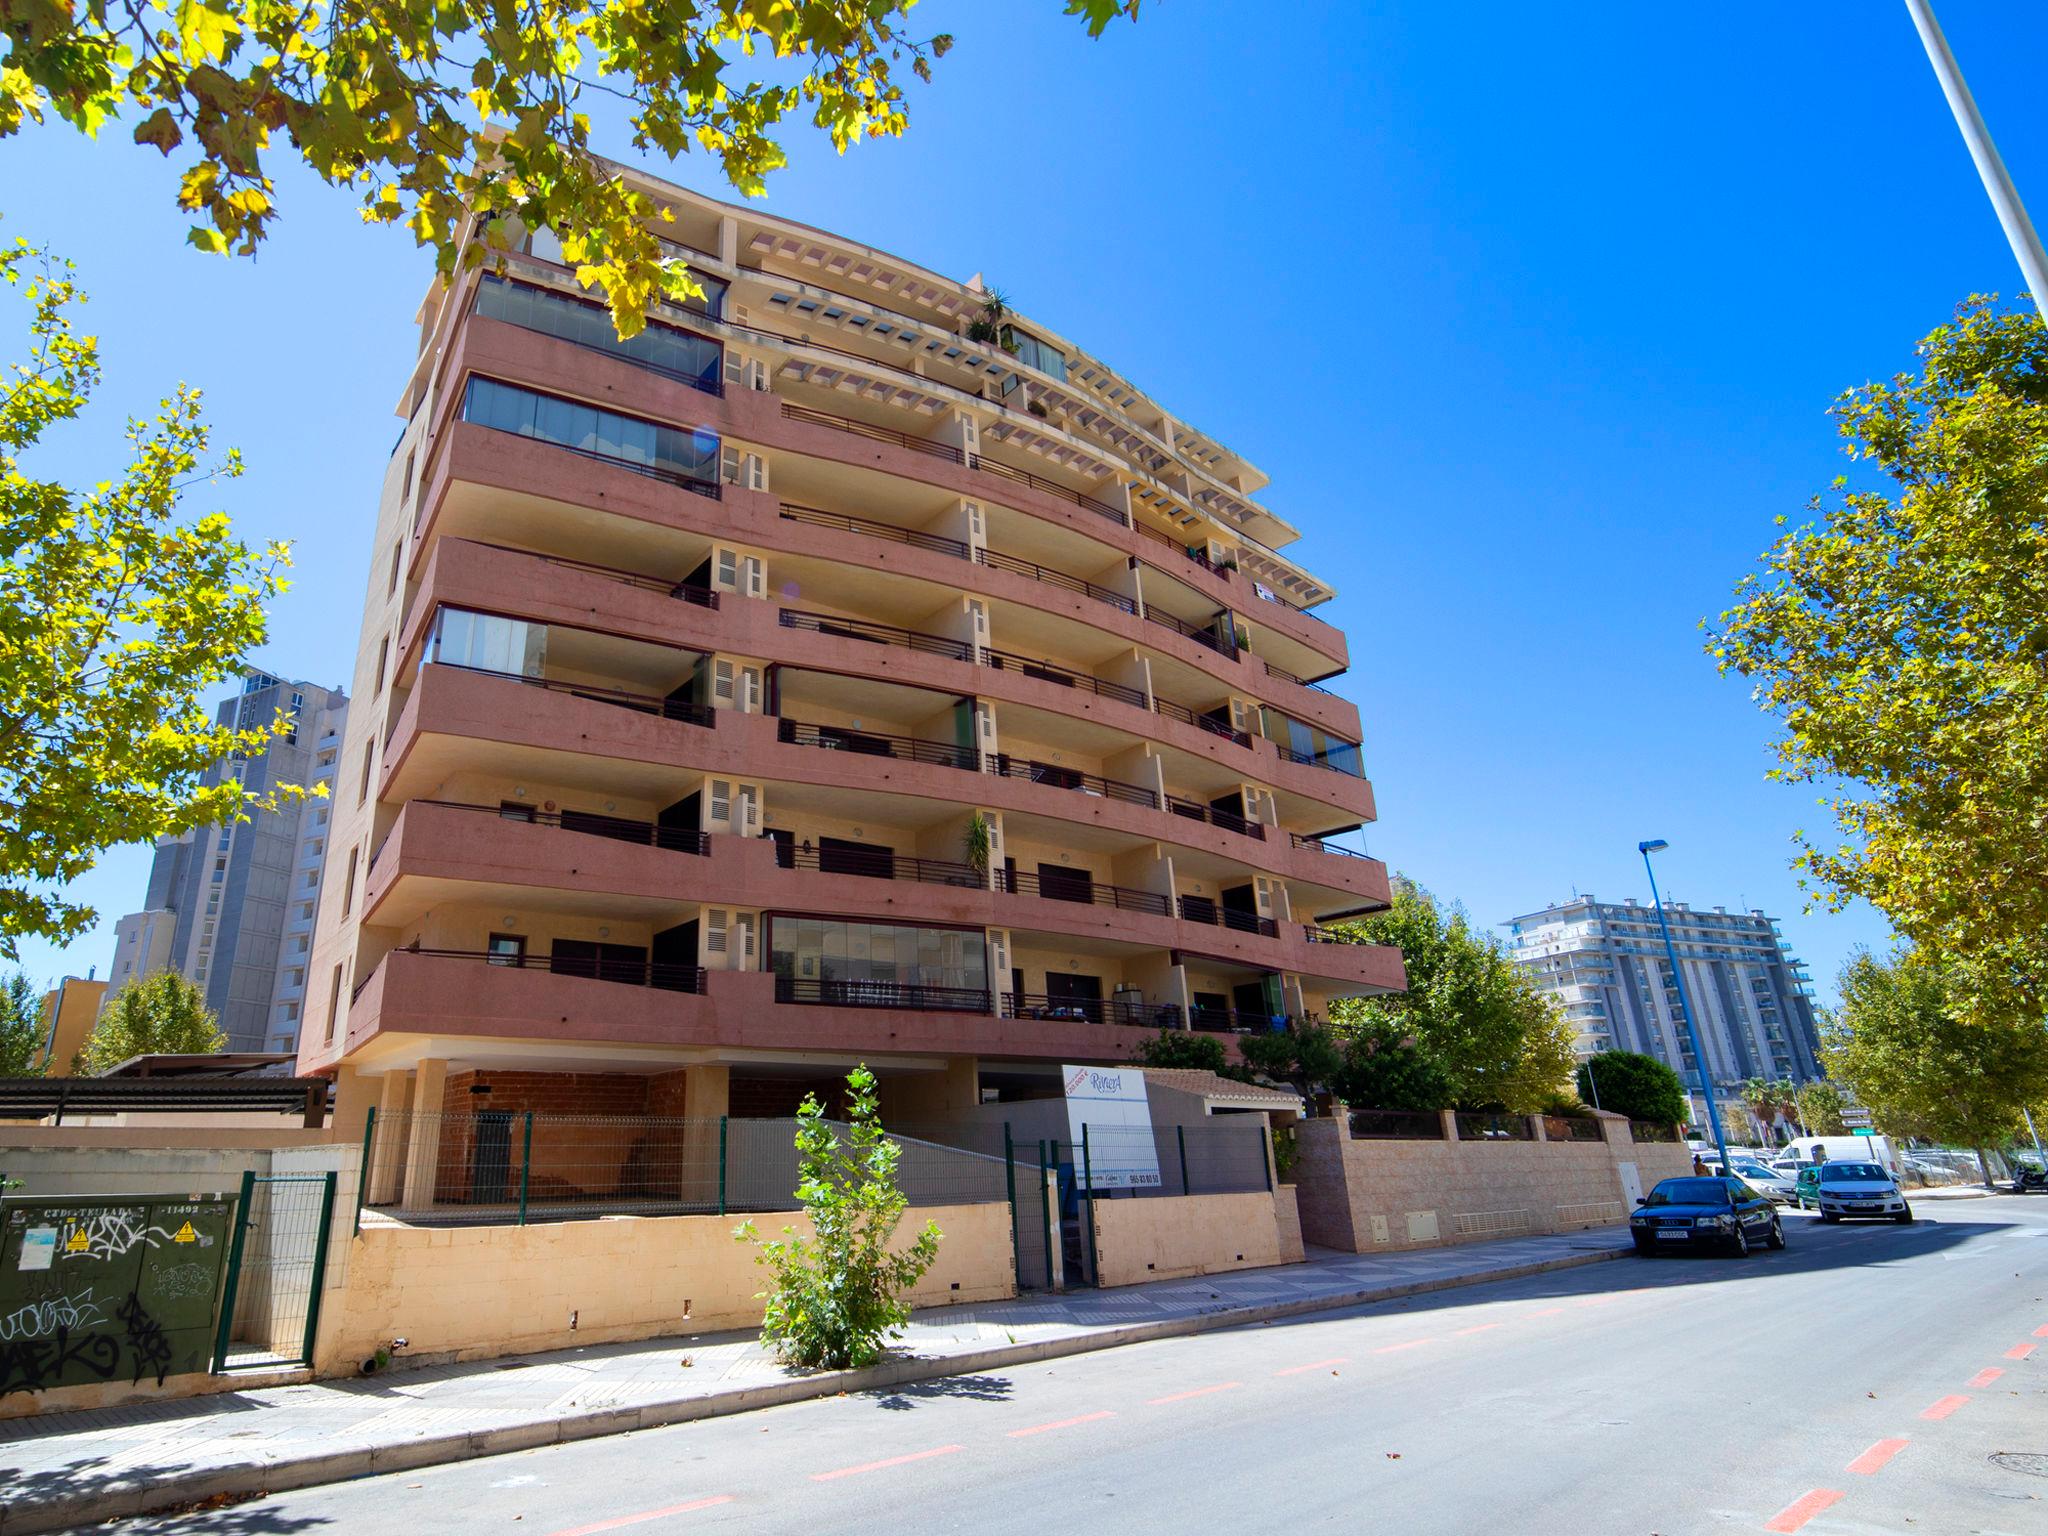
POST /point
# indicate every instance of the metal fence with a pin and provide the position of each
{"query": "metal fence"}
(1571, 1128)
(1487, 1127)
(1397, 1125)
(1649, 1130)
(277, 1263)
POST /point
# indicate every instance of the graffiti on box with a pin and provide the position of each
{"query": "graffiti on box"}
(105, 1290)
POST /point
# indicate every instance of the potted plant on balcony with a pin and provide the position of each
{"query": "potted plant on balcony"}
(978, 843)
(987, 327)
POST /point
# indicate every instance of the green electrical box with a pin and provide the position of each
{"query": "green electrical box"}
(105, 1288)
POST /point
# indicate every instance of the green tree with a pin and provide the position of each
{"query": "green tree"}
(1630, 1083)
(1306, 1057)
(837, 1295)
(21, 1028)
(163, 1013)
(1468, 1005)
(1820, 1109)
(1769, 1100)
(1903, 641)
(429, 113)
(1384, 1069)
(115, 618)
(1900, 1041)
(1184, 1049)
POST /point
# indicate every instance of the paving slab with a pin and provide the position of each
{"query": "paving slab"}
(65, 1469)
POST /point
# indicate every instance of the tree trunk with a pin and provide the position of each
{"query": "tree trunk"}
(1984, 1167)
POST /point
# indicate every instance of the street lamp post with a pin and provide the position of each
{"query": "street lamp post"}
(1699, 1055)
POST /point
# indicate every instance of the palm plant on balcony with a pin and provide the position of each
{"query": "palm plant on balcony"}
(978, 843)
(987, 327)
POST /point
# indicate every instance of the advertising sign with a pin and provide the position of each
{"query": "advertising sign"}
(1120, 1150)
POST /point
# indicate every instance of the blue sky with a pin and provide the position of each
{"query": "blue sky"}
(1532, 314)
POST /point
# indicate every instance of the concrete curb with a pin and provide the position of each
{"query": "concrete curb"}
(23, 1517)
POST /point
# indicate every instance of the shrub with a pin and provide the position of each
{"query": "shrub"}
(1630, 1083)
(1384, 1069)
(1561, 1103)
(1183, 1048)
(837, 1295)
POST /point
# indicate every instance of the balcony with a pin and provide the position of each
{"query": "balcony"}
(907, 749)
(791, 411)
(644, 973)
(1065, 677)
(1229, 821)
(1075, 887)
(877, 634)
(1317, 845)
(681, 591)
(1201, 636)
(1114, 1010)
(639, 703)
(899, 995)
(618, 829)
(1343, 759)
(1003, 765)
(1200, 909)
(1206, 722)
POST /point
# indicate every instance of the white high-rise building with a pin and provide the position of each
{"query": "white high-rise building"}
(1605, 964)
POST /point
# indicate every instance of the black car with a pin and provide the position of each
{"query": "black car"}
(1685, 1215)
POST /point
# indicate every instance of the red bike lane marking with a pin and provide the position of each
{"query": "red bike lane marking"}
(1315, 1365)
(1039, 1429)
(1943, 1408)
(1803, 1509)
(645, 1515)
(1985, 1377)
(893, 1461)
(1181, 1397)
(2019, 1352)
(1873, 1460)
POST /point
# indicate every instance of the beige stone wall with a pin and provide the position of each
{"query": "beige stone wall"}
(1287, 1214)
(1368, 1196)
(1141, 1239)
(476, 1292)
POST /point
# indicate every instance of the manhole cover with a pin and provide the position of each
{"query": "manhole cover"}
(2033, 1463)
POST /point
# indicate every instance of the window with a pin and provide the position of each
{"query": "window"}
(1033, 353)
(369, 767)
(320, 816)
(506, 948)
(405, 490)
(305, 911)
(313, 847)
(397, 557)
(695, 360)
(667, 452)
(288, 1013)
(295, 977)
(383, 660)
(333, 1005)
(489, 643)
(299, 945)
(312, 880)
(348, 889)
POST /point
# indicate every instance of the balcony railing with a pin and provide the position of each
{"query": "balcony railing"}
(640, 703)
(908, 749)
(1200, 909)
(1008, 767)
(1317, 845)
(1230, 821)
(1080, 499)
(877, 634)
(1066, 677)
(1344, 760)
(881, 994)
(1091, 1010)
(880, 866)
(632, 973)
(1201, 636)
(793, 412)
(1316, 934)
(1060, 579)
(815, 517)
(1228, 1021)
(1080, 887)
(1208, 723)
(682, 591)
(619, 829)
(1396, 1125)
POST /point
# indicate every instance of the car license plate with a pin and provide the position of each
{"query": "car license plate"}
(1666, 1234)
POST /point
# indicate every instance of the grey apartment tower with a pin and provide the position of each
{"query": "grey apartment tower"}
(233, 907)
(1604, 963)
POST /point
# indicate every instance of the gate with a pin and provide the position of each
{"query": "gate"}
(1031, 1215)
(270, 1308)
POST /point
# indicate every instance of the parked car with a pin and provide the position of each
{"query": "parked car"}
(1782, 1188)
(1687, 1214)
(1858, 1189)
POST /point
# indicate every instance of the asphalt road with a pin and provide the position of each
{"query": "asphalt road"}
(1862, 1381)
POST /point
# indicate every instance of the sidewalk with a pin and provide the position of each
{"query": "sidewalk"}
(73, 1468)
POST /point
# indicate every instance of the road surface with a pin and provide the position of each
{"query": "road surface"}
(1871, 1378)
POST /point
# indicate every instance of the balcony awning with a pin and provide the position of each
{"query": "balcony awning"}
(37, 1098)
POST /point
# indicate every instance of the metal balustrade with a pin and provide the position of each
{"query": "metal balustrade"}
(909, 749)
(837, 993)
(1080, 499)
(1079, 886)
(1230, 821)
(793, 412)
(1065, 677)
(640, 703)
(1335, 761)
(1396, 1125)
(877, 634)
(1060, 579)
(634, 973)
(1004, 765)
(817, 518)
(1214, 727)
(620, 829)
(1207, 637)
(682, 591)
(1091, 1010)
(1317, 845)
(1200, 909)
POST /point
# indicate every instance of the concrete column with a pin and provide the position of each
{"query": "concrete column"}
(1449, 1117)
(423, 1142)
(354, 1093)
(392, 1127)
(707, 1099)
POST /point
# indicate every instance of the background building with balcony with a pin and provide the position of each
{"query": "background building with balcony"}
(234, 907)
(801, 683)
(1604, 963)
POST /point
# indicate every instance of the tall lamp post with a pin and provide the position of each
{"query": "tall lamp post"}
(1692, 1033)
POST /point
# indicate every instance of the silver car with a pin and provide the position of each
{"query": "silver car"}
(1781, 1188)
(1860, 1189)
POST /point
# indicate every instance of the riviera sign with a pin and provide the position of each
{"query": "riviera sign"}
(1111, 1103)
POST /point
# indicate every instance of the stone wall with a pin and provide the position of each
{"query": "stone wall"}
(471, 1293)
(1368, 1196)
(1158, 1239)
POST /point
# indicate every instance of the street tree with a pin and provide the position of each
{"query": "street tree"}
(837, 1295)
(1820, 1109)
(1771, 1101)
(1902, 639)
(427, 113)
(1385, 1069)
(1630, 1083)
(21, 1028)
(160, 1014)
(1500, 1040)
(117, 615)
(1901, 1041)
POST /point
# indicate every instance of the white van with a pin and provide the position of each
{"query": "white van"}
(1846, 1149)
